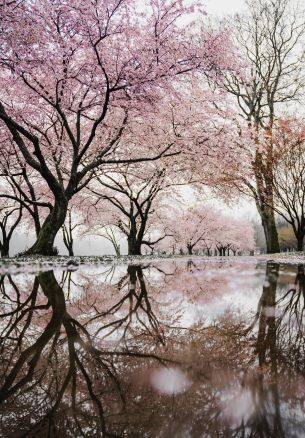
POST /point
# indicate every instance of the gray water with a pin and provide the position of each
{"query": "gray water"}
(175, 348)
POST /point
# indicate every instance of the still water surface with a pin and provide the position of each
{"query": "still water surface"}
(175, 348)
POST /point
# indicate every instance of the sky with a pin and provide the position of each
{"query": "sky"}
(221, 7)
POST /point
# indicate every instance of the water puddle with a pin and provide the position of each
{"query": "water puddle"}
(171, 348)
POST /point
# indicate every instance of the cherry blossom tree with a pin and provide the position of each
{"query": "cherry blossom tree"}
(102, 223)
(203, 227)
(289, 175)
(135, 196)
(73, 221)
(74, 75)
(136, 193)
(22, 185)
(10, 217)
(234, 235)
(193, 228)
(20, 188)
(270, 36)
(110, 234)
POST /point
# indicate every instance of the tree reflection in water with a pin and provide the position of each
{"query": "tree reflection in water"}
(119, 359)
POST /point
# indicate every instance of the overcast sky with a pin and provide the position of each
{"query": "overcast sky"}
(221, 7)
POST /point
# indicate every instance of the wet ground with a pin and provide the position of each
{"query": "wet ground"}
(168, 348)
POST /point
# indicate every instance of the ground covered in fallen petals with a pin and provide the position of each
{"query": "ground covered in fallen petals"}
(28, 264)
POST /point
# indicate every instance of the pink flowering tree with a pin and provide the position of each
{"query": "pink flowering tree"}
(10, 217)
(206, 228)
(235, 235)
(191, 228)
(134, 196)
(74, 74)
(136, 193)
(101, 222)
(289, 175)
(270, 36)
(21, 184)
(74, 221)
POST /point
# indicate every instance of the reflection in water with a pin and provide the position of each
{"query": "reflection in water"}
(170, 349)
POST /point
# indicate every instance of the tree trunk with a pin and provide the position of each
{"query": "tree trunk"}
(44, 244)
(272, 241)
(264, 200)
(116, 247)
(221, 251)
(37, 225)
(266, 338)
(300, 239)
(5, 248)
(190, 249)
(134, 246)
(134, 242)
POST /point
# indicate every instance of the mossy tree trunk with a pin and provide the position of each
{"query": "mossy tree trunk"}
(270, 231)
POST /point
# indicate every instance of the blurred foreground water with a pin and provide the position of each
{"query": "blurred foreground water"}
(173, 348)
